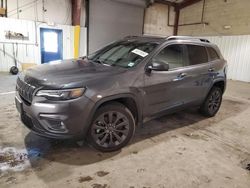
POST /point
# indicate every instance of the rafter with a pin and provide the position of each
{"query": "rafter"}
(187, 3)
(169, 3)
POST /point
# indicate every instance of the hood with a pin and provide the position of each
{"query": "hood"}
(68, 73)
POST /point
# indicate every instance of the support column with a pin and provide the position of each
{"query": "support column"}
(176, 20)
(76, 19)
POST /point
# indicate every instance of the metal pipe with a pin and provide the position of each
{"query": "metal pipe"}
(176, 21)
(17, 9)
(169, 25)
(202, 18)
(76, 12)
(21, 43)
(143, 21)
(6, 8)
(196, 23)
(87, 22)
(203, 10)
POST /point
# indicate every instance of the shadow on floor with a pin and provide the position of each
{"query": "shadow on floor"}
(69, 152)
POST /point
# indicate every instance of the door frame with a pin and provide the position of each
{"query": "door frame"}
(60, 41)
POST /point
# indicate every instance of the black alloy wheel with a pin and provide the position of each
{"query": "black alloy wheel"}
(212, 103)
(112, 127)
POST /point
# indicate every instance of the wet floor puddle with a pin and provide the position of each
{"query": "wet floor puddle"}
(13, 159)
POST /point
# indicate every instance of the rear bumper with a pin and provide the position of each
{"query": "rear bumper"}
(56, 119)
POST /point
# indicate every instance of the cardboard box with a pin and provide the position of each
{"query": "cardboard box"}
(2, 11)
(27, 65)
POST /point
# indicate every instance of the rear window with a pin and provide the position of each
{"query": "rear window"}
(212, 54)
(197, 54)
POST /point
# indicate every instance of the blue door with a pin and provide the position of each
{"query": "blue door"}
(51, 44)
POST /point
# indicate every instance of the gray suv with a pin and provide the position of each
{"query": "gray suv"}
(104, 96)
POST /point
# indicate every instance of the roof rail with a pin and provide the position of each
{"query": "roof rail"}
(130, 36)
(187, 38)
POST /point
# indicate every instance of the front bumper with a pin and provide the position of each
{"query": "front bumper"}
(56, 119)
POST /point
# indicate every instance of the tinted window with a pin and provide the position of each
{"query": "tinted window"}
(212, 54)
(197, 54)
(173, 55)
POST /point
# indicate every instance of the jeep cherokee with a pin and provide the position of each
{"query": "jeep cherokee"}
(103, 96)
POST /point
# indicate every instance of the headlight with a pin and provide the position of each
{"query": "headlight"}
(65, 94)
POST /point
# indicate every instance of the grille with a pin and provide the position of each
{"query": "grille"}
(27, 120)
(25, 90)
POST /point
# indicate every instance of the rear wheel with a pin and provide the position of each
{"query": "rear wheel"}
(112, 128)
(212, 103)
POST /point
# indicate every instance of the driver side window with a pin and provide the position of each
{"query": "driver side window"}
(173, 55)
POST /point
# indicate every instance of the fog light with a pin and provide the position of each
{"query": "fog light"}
(57, 125)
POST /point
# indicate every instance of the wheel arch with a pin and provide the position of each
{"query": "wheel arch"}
(220, 83)
(128, 100)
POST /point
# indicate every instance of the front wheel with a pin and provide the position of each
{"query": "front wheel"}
(212, 103)
(112, 127)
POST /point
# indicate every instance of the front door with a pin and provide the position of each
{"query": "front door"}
(163, 89)
(51, 44)
(186, 81)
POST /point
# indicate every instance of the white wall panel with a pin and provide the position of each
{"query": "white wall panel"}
(29, 51)
(58, 11)
(236, 50)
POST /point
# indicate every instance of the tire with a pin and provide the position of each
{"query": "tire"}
(112, 127)
(14, 70)
(212, 103)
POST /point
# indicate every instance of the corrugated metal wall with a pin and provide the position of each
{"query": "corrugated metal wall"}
(236, 50)
(28, 51)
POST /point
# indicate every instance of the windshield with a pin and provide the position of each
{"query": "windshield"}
(125, 54)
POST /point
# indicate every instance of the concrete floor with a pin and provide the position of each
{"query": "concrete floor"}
(181, 150)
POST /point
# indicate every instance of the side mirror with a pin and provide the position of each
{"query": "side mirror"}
(157, 66)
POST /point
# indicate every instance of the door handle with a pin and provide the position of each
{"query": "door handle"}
(181, 76)
(211, 70)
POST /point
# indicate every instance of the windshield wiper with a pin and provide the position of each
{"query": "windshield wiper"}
(98, 61)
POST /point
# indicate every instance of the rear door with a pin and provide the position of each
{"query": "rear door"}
(198, 78)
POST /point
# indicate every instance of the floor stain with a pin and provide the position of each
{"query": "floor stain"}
(195, 136)
(12, 159)
(97, 185)
(135, 152)
(141, 170)
(248, 167)
(102, 173)
(245, 164)
(11, 180)
(84, 179)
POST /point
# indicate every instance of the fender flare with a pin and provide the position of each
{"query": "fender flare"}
(111, 98)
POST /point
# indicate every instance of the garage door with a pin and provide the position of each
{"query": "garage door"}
(110, 20)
